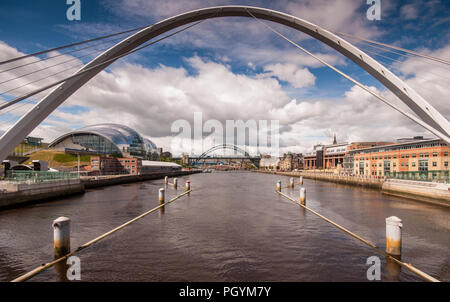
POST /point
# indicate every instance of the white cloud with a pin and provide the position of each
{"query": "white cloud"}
(151, 99)
(409, 11)
(297, 77)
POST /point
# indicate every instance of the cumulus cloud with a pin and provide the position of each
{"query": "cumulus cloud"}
(151, 99)
(297, 77)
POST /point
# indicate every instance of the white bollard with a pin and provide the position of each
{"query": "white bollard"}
(166, 180)
(279, 186)
(61, 236)
(303, 196)
(162, 195)
(291, 182)
(175, 183)
(394, 236)
(301, 180)
(188, 185)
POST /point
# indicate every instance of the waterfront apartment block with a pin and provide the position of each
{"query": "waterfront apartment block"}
(417, 159)
(335, 155)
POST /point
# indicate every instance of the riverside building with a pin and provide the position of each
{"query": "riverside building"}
(417, 159)
(106, 139)
(336, 155)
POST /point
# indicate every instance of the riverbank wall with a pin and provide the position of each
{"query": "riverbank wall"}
(102, 181)
(20, 194)
(429, 192)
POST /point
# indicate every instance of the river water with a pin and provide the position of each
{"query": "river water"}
(232, 227)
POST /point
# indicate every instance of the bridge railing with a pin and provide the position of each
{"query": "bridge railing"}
(39, 176)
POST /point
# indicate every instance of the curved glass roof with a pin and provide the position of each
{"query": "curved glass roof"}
(120, 135)
(149, 144)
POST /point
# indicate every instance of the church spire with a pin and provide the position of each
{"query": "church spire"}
(334, 140)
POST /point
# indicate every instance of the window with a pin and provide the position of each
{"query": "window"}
(445, 153)
(434, 164)
(395, 156)
(421, 155)
(413, 164)
(407, 155)
(426, 154)
(445, 163)
(423, 165)
(395, 164)
(414, 155)
(434, 154)
(403, 155)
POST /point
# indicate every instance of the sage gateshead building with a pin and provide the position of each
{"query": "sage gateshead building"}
(106, 139)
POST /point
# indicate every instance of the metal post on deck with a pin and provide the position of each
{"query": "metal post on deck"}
(61, 236)
(161, 195)
(394, 236)
(188, 185)
(303, 196)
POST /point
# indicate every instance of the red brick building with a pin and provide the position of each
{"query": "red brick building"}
(105, 165)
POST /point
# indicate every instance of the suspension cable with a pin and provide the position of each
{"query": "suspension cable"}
(38, 80)
(93, 67)
(398, 48)
(410, 116)
(54, 65)
(399, 61)
(69, 45)
(406, 55)
(60, 54)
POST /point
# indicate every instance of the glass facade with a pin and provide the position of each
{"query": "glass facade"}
(109, 139)
(92, 142)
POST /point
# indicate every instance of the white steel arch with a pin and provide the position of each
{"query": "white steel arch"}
(48, 104)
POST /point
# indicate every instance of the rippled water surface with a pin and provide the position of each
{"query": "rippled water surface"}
(232, 227)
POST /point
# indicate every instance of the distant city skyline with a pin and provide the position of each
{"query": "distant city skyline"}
(229, 73)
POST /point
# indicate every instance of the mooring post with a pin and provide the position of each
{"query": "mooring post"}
(279, 186)
(188, 185)
(162, 195)
(291, 182)
(303, 196)
(301, 180)
(394, 236)
(61, 236)
(166, 180)
(175, 183)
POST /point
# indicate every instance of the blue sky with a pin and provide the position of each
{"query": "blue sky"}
(241, 51)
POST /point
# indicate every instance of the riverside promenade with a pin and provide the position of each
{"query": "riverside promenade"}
(429, 192)
(23, 193)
